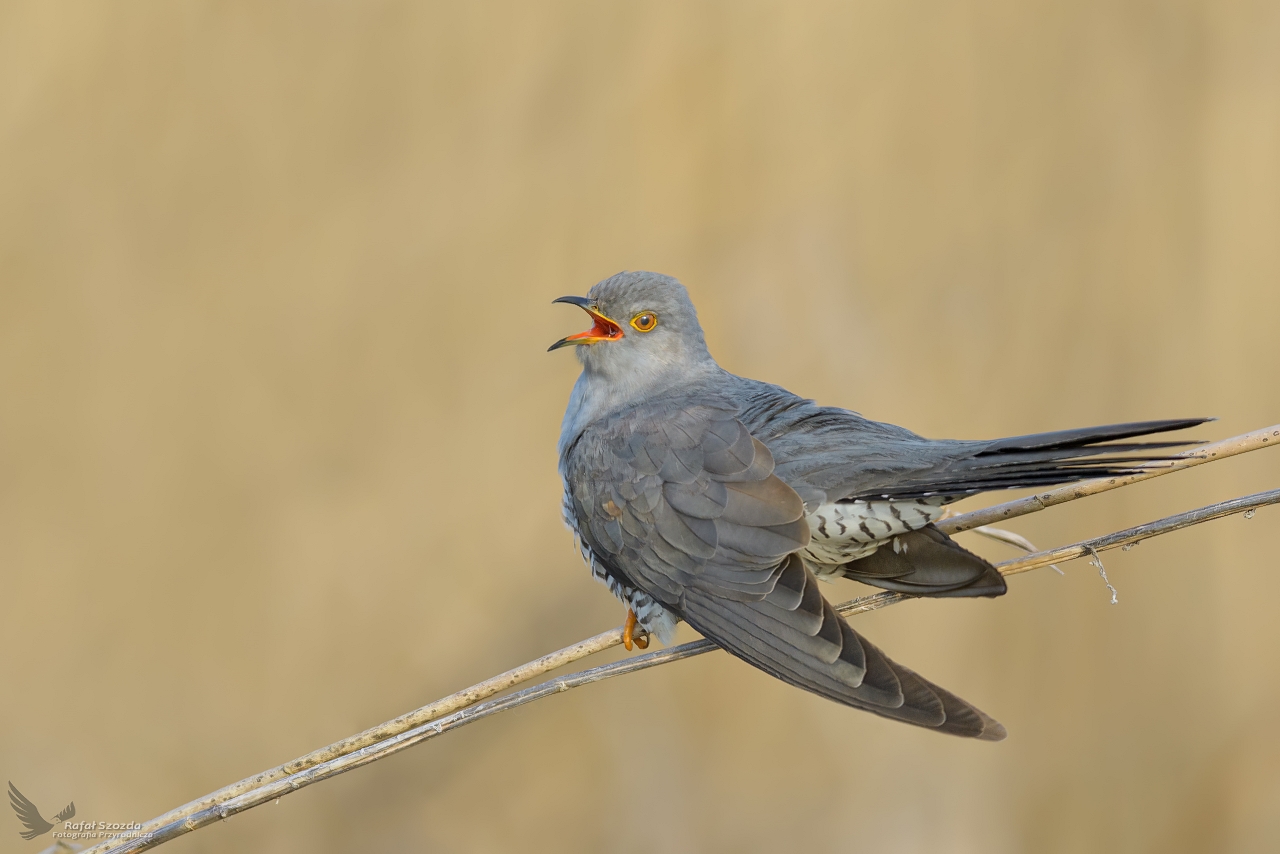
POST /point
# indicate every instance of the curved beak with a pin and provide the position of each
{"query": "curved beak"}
(604, 329)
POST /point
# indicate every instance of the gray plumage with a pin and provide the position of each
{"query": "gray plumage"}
(704, 496)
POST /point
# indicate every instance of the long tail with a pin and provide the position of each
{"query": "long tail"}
(926, 562)
(1040, 459)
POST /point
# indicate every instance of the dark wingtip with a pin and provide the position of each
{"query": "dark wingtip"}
(1181, 423)
(1082, 437)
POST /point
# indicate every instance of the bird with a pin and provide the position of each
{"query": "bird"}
(701, 496)
(30, 817)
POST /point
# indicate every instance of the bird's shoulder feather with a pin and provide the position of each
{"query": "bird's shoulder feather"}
(677, 493)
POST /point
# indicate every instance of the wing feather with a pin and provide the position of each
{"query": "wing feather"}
(680, 499)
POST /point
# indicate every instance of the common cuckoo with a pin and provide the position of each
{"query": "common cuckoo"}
(702, 496)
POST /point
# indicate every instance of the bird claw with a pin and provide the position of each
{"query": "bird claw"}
(630, 635)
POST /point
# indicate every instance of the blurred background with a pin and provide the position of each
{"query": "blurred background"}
(277, 427)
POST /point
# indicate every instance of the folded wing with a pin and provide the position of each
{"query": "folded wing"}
(679, 500)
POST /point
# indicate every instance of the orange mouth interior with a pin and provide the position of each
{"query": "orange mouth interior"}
(603, 330)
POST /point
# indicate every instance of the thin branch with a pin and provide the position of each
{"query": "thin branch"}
(157, 832)
(1264, 438)
(876, 601)
(979, 521)
(1206, 453)
(393, 727)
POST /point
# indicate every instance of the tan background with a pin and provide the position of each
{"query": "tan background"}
(277, 431)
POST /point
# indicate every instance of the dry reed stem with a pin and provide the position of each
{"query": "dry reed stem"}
(395, 726)
(426, 731)
(1104, 543)
(1264, 438)
(450, 712)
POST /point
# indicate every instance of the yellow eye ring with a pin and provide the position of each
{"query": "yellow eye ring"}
(645, 321)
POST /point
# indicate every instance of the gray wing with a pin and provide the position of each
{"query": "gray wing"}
(868, 485)
(680, 500)
(832, 454)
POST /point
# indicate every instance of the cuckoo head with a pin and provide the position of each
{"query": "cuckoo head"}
(640, 322)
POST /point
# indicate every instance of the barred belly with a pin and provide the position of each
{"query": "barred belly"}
(843, 531)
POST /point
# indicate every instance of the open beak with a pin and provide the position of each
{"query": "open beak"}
(605, 328)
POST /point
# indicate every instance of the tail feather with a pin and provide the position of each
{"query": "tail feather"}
(1085, 455)
(1081, 436)
(1041, 459)
(927, 563)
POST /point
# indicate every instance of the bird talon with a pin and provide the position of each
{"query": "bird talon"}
(629, 634)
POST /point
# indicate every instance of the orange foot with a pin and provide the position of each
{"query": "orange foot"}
(631, 636)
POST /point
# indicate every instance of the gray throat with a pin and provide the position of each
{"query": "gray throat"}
(596, 395)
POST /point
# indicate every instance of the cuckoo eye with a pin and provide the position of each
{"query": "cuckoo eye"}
(644, 321)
